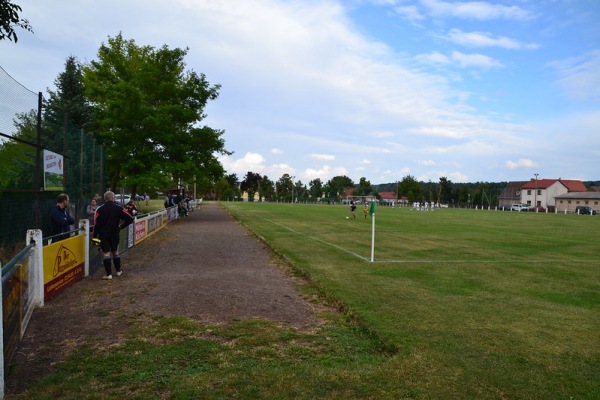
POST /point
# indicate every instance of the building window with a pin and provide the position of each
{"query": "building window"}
(529, 192)
(539, 191)
(569, 202)
(576, 201)
(587, 202)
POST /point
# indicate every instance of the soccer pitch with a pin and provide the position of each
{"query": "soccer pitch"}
(470, 303)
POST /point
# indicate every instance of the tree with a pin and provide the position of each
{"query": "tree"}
(266, 188)
(9, 19)
(147, 111)
(69, 99)
(445, 190)
(300, 191)
(17, 158)
(337, 184)
(250, 184)
(364, 188)
(410, 188)
(315, 188)
(284, 188)
(67, 113)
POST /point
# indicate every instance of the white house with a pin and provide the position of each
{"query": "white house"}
(543, 192)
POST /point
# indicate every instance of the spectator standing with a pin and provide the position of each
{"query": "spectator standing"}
(60, 220)
(131, 208)
(91, 211)
(110, 218)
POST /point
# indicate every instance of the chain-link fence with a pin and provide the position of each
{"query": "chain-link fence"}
(24, 204)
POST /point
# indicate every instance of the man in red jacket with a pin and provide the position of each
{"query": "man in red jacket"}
(110, 218)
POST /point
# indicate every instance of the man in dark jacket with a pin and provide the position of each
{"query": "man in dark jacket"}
(109, 219)
(60, 220)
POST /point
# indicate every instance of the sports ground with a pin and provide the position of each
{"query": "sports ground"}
(458, 304)
(474, 303)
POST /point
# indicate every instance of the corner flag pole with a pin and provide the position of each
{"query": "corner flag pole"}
(372, 214)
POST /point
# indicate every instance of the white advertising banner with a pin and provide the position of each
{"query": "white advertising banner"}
(53, 171)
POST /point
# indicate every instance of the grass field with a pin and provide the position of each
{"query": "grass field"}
(459, 304)
(469, 303)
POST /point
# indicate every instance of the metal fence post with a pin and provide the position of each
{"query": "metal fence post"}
(37, 265)
(84, 224)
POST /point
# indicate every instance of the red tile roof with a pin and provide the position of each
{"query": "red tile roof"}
(388, 195)
(571, 185)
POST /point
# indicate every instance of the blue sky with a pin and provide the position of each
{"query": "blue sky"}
(472, 91)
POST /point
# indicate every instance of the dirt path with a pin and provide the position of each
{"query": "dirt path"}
(205, 267)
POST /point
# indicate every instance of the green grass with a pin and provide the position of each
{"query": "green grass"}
(459, 304)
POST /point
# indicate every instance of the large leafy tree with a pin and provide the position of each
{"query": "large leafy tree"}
(364, 188)
(411, 188)
(147, 113)
(266, 188)
(284, 187)
(337, 184)
(315, 188)
(9, 19)
(251, 184)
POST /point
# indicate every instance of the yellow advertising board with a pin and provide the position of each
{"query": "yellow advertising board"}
(64, 264)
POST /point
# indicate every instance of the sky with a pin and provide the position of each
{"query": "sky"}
(474, 91)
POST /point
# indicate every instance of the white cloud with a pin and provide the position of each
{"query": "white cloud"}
(474, 60)
(580, 76)
(459, 60)
(522, 163)
(478, 10)
(410, 13)
(427, 163)
(324, 173)
(276, 151)
(324, 157)
(484, 39)
(253, 162)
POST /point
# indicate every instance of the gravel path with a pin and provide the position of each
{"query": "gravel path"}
(205, 267)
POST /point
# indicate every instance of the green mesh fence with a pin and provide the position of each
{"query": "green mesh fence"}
(24, 204)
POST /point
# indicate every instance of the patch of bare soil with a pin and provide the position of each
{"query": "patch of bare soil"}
(205, 267)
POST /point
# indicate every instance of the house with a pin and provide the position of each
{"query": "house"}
(511, 193)
(349, 197)
(568, 201)
(543, 192)
(388, 198)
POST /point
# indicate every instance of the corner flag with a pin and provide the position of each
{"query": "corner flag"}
(372, 209)
(372, 214)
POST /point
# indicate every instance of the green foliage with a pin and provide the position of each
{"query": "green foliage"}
(17, 159)
(410, 188)
(336, 185)
(147, 112)
(364, 188)
(9, 19)
(315, 188)
(266, 188)
(284, 187)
